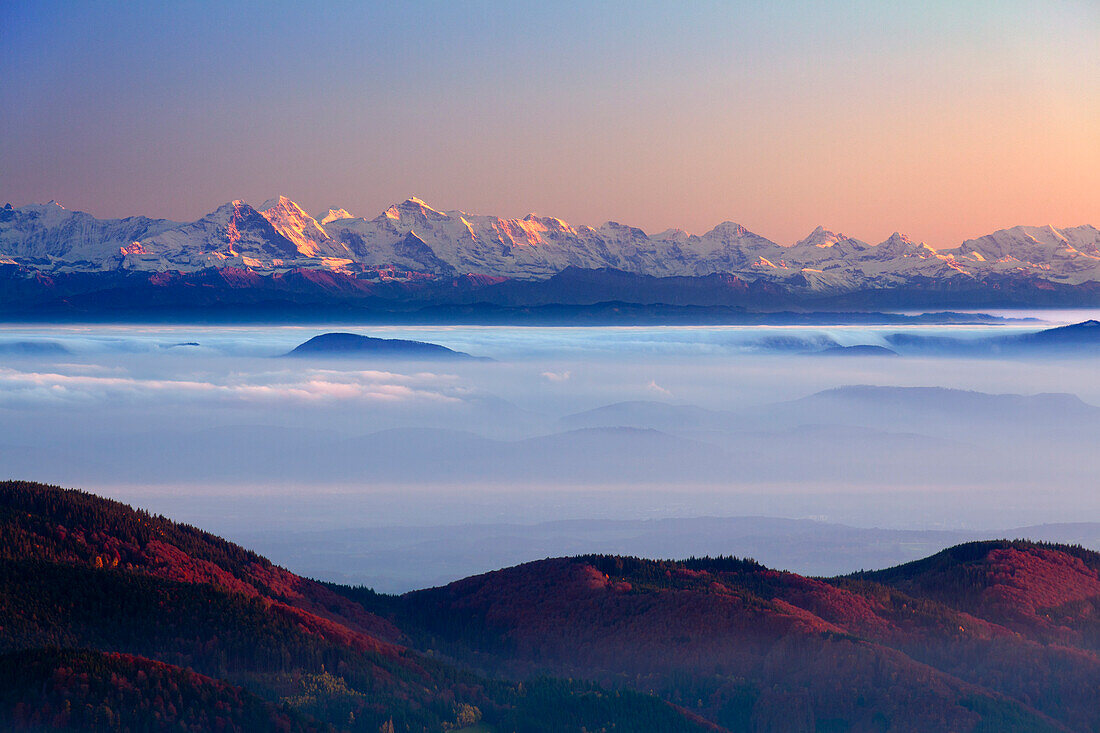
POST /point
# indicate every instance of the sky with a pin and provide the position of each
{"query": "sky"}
(942, 120)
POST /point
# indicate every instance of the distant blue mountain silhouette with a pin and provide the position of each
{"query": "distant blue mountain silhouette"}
(352, 345)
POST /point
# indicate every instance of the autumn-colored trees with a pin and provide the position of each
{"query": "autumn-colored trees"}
(115, 619)
(236, 640)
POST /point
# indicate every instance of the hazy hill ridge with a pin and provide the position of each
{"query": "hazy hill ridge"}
(351, 345)
(985, 636)
(411, 240)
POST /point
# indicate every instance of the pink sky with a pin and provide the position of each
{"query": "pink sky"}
(941, 120)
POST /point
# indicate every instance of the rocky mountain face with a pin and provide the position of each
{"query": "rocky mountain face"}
(48, 236)
(309, 237)
(412, 240)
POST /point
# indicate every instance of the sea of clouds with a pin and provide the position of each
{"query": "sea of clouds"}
(211, 425)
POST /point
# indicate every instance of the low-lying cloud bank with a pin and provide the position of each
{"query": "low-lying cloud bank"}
(671, 419)
(301, 387)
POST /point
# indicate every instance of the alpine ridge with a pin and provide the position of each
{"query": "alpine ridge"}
(411, 240)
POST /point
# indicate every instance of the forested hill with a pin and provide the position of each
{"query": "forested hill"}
(103, 607)
(112, 618)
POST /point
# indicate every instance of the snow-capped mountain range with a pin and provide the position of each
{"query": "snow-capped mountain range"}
(412, 238)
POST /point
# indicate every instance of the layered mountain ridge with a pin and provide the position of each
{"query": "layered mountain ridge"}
(412, 240)
(112, 618)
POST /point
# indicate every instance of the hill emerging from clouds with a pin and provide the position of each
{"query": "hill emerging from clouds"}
(351, 345)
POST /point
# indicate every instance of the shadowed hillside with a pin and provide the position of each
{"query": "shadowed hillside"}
(79, 572)
(745, 646)
(82, 690)
(108, 608)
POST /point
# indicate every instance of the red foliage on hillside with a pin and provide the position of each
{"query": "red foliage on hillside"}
(78, 571)
(1047, 592)
(755, 643)
(78, 528)
(87, 690)
(986, 636)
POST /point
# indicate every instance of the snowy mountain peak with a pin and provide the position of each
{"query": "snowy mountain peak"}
(233, 234)
(1075, 248)
(309, 237)
(414, 209)
(897, 242)
(230, 212)
(548, 223)
(728, 231)
(413, 238)
(820, 237)
(283, 205)
(672, 234)
(335, 215)
(619, 231)
(415, 203)
(271, 203)
(899, 245)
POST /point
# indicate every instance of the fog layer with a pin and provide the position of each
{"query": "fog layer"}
(212, 426)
